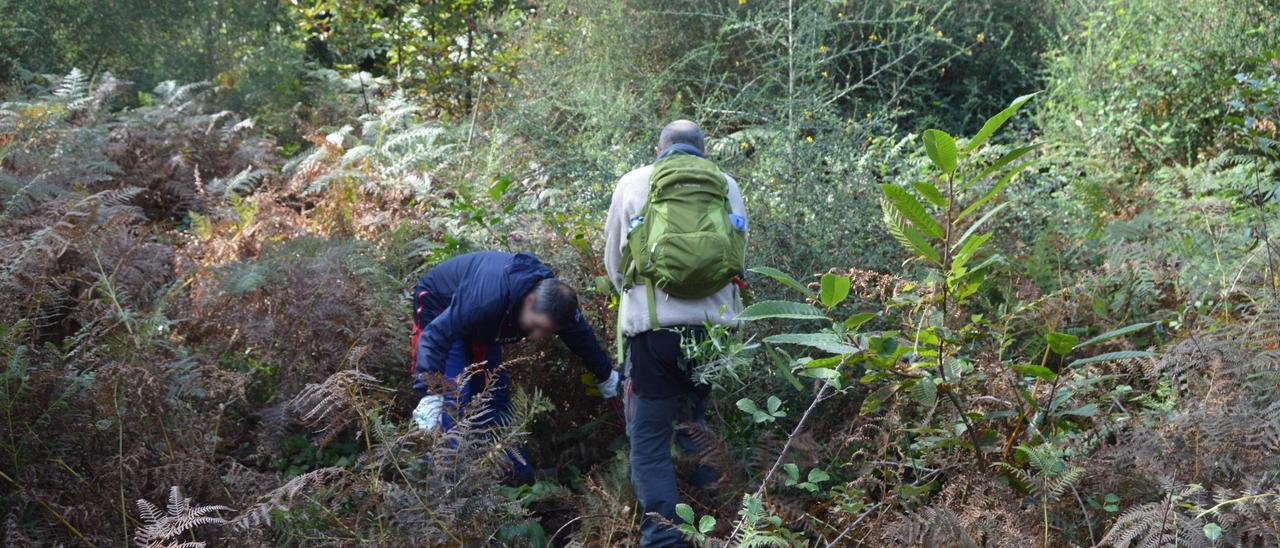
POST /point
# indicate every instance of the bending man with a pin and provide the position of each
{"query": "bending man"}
(465, 309)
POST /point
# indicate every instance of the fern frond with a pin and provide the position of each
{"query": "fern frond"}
(163, 531)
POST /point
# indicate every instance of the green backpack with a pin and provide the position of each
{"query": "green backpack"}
(685, 241)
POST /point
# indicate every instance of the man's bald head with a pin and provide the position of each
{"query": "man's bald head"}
(681, 132)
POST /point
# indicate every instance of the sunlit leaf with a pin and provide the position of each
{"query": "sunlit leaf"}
(989, 128)
(912, 210)
(818, 475)
(706, 524)
(1114, 333)
(1212, 531)
(1061, 343)
(1005, 160)
(828, 342)
(499, 187)
(855, 321)
(930, 193)
(921, 246)
(685, 512)
(971, 246)
(765, 310)
(783, 278)
(941, 149)
(821, 373)
(835, 289)
(1112, 356)
(994, 190)
(973, 228)
(1037, 371)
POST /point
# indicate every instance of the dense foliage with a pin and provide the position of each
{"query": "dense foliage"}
(1013, 267)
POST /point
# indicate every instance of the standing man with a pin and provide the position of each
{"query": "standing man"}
(465, 309)
(675, 245)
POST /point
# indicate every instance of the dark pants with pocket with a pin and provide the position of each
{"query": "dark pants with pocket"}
(656, 400)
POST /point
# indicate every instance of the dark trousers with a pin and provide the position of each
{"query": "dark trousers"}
(651, 424)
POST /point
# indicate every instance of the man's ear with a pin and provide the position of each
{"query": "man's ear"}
(657, 151)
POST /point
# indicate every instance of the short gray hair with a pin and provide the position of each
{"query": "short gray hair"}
(681, 132)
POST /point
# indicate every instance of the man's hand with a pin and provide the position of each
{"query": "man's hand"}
(427, 414)
(609, 387)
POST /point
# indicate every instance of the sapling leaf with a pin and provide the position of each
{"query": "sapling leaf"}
(685, 512)
(912, 210)
(1000, 162)
(1037, 371)
(783, 278)
(499, 187)
(995, 122)
(818, 475)
(764, 310)
(835, 289)
(1061, 343)
(941, 148)
(994, 190)
(823, 373)
(973, 228)
(855, 321)
(829, 342)
(706, 524)
(1112, 356)
(1114, 333)
(930, 193)
(920, 245)
(971, 246)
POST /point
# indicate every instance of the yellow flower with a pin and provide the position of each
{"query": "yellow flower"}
(808, 114)
(808, 138)
(742, 2)
(982, 37)
(939, 33)
(873, 38)
(742, 145)
(839, 14)
(822, 48)
(824, 74)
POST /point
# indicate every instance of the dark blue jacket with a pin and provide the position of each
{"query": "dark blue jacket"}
(476, 298)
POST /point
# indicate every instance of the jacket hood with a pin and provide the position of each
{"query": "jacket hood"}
(524, 272)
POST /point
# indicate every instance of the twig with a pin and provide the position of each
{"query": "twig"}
(551, 541)
(764, 484)
(904, 465)
(851, 526)
(1085, 511)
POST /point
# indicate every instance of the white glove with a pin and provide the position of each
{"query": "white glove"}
(427, 414)
(609, 387)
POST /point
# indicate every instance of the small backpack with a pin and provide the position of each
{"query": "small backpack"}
(686, 241)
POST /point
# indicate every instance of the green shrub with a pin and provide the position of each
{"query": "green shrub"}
(1137, 84)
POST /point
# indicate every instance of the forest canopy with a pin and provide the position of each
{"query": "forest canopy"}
(1011, 275)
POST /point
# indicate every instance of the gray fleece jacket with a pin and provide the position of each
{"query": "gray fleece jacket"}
(629, 197)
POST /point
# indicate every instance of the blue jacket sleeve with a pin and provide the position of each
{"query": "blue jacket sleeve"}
(582, 341)
(453, 324)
